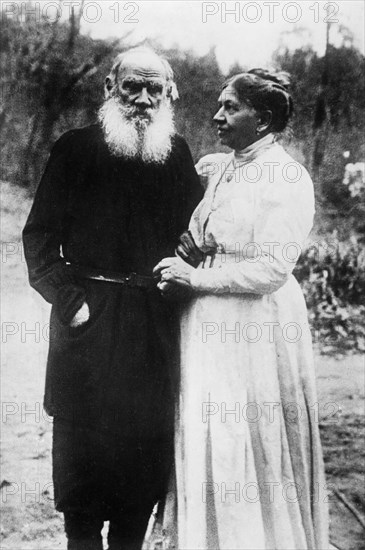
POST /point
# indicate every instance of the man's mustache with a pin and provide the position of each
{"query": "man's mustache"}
(136, 112)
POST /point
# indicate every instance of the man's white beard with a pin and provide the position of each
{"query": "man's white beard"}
(132, 136)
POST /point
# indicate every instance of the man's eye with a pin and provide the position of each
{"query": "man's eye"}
(154, 89)
(132, 87)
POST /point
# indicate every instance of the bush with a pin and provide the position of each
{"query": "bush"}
(333, 285)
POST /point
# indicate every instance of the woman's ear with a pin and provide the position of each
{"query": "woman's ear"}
(108, 86)
(264, 121)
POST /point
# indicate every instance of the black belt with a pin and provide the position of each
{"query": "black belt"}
(131, 279)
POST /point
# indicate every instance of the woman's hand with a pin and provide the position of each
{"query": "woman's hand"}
(173, 271)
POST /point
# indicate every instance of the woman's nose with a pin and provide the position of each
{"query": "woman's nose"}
(219, 116)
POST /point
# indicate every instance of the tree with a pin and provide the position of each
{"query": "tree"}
(48, 68)
(198, 80)
(329, 98)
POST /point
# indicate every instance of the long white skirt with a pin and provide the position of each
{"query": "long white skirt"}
(249, 469)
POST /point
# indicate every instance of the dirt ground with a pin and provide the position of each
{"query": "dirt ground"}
(28, 517)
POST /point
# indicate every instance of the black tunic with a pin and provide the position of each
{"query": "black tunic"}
(98, 211)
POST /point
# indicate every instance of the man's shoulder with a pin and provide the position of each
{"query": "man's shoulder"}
(178, 139)
(78, 140)
(79, 134)
(180, 146)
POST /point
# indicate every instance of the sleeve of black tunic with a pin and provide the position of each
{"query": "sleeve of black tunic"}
(46, 227)
(193, 190)
(42, 236)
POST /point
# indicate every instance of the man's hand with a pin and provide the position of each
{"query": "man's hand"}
(174, 292)
(81, 316)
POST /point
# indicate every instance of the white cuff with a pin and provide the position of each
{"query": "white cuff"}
(208, 280)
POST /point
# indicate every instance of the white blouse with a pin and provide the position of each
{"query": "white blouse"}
(256, 214)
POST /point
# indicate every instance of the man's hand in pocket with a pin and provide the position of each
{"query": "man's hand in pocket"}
(81, 316)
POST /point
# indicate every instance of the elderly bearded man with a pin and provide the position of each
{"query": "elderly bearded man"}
(114, 198)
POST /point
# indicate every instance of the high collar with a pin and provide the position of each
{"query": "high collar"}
(252, 151)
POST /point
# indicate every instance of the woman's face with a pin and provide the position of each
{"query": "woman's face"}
(236, 121)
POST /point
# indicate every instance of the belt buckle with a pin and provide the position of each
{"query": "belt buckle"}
(131, 278)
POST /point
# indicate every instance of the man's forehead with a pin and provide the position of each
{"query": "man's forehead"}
(142, 66)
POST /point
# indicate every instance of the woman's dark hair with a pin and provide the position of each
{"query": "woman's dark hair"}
(264, 91)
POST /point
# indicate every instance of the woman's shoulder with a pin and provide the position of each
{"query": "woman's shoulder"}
(285, 181)
(284, 154)
(289, 168)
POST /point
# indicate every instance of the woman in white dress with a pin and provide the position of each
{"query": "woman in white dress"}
(249, 469)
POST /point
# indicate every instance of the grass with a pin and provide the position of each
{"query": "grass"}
(29, 520)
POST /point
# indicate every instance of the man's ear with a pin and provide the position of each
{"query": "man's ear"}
(108, 86)
(264, 121)
(172, 92)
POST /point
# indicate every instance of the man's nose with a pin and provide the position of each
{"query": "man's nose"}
(219, 116)
(143, 98)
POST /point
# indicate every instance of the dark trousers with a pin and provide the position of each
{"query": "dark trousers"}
(101, 476)
(125, 533)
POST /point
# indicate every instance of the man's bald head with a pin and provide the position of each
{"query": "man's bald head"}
(144, 63)
(145, 60)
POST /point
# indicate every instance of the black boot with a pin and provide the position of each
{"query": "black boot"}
(85, 544)
(123, 544)
(127, 533)
(83, 531)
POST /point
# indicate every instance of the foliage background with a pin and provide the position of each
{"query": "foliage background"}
(52, 79)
